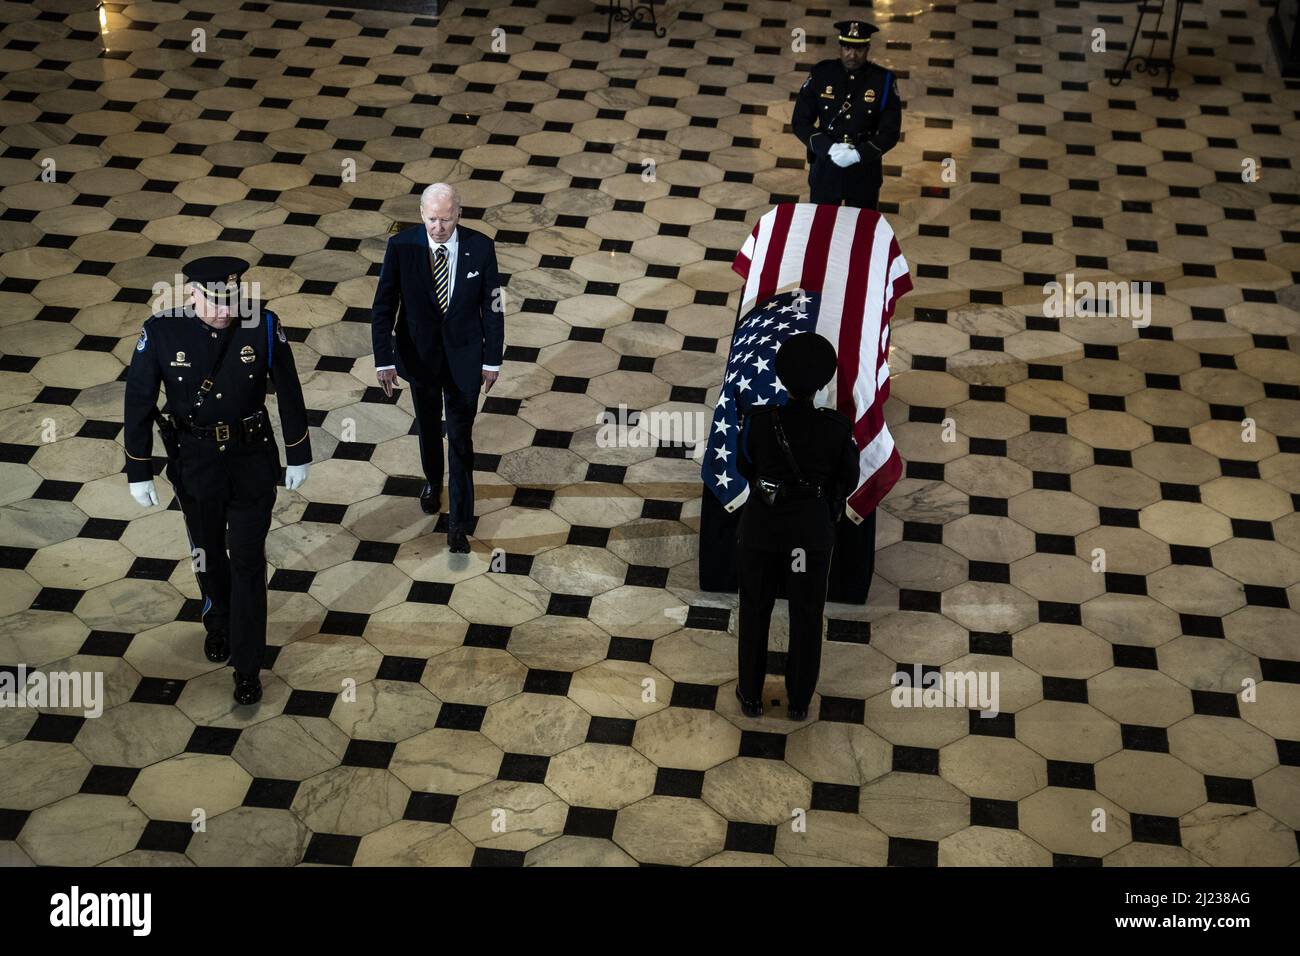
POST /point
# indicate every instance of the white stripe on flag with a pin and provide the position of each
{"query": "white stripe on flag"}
(790, 276)
(882, 374)
(835, 282)
(757, 261)
(874, 455)
(896, 269)
(864, 388)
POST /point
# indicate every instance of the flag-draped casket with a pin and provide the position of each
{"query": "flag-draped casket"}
(838, 271)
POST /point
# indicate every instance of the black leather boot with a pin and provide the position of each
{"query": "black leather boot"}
(248, 688)
(216, 647)
(750, 708)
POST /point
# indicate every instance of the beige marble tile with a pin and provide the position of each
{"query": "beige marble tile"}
(181, 787)
(350, 800)
(832, 839)
(991, 846)
(250, 836)
(1078, 822)
(687, 739)
(914, 806)
(414, 843)
(83, 830)
(673, 831)
(1223, 835)
(509, 815)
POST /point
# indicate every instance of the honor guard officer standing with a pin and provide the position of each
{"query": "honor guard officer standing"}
(215, 359)
(848, 115)
(801, 463)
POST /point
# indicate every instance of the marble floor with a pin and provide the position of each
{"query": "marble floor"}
(1082, 511)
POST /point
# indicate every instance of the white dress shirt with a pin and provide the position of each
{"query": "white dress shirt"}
(452, 246)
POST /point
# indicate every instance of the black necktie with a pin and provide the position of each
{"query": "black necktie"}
(440, 280)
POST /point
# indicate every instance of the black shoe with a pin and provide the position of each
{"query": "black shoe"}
(248, 689)
(457, 542)
(430, 500)
(750, 708)
(216, 647)
(797, 713)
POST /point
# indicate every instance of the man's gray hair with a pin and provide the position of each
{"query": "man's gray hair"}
(439, 191)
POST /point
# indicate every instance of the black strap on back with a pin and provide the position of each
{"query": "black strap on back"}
(210, 379)
(785, 444)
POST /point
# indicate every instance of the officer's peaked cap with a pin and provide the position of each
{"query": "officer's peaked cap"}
(805, 362)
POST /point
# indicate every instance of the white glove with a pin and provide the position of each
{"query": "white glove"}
(295, 475)
(144, 493)
(842, 154)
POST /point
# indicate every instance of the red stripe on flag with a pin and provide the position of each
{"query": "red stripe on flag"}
(818, 249)
(902, 285)
(849, 351)
(741, 265)
(866, 428)
(873, 490)
(770, 275)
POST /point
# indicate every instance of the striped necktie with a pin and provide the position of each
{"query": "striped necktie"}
(440, 283)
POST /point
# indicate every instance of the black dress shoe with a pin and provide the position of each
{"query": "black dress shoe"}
(797, 713)
(248, 689)
(457, 542)
(216, 647)
(430, 500)
(750, 708)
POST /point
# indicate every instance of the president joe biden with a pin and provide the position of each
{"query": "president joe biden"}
(438, 321)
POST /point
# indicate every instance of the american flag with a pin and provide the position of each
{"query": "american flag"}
(850, 259)
(750, 383)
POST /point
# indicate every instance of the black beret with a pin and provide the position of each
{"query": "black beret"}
(805, 362)
(855, 31)
(217, 276)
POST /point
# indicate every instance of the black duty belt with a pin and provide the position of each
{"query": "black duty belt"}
(792, 489)
(246, 430)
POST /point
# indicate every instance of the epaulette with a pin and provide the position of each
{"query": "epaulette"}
(836, 414)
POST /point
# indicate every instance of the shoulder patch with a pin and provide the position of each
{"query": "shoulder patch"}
(143, 341)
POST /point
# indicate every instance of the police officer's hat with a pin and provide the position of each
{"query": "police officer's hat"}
(217, 277)
(805, 362)
(855, 32)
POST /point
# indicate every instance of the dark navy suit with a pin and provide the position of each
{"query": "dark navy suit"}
(442, 356)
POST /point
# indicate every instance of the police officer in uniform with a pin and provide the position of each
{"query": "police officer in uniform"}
(215, 359)
(848, 115)
(801, 463)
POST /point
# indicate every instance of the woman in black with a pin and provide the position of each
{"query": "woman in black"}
(801, 463)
